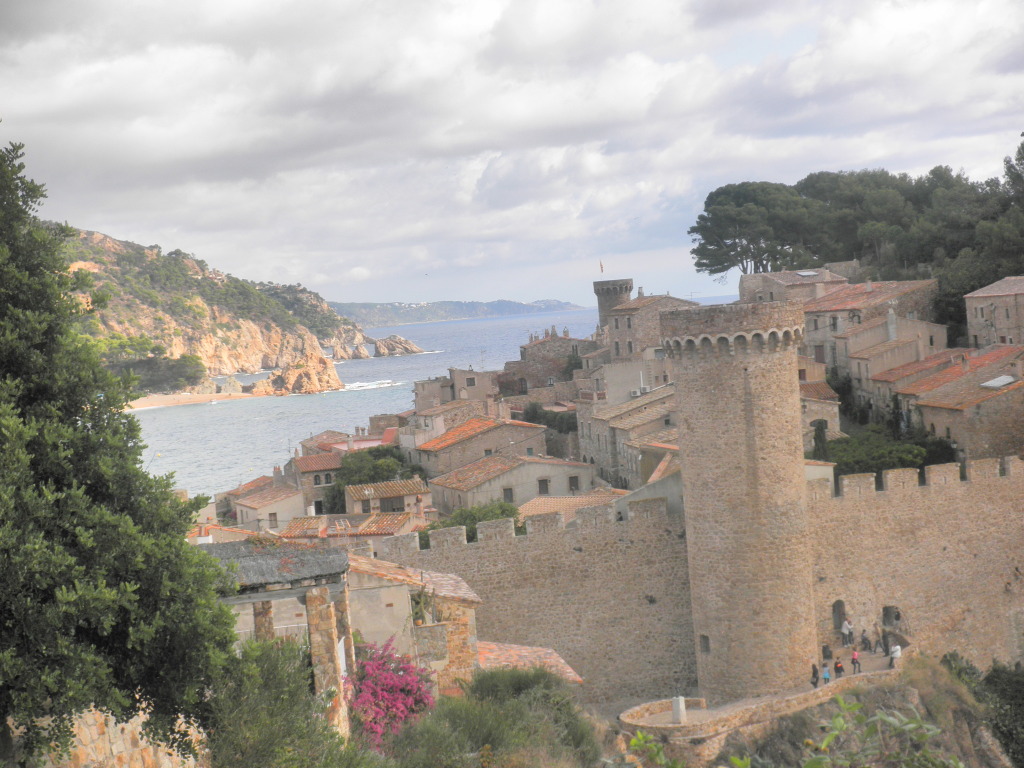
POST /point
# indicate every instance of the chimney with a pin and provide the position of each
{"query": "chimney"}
(869, 286)
(322, 532)
(891, 324)
(351, 443)
(640, 292)
(277, 473)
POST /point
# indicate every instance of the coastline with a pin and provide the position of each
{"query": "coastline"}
(185, 398)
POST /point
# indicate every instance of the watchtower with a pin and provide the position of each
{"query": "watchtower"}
(610, 293)
(744, 495)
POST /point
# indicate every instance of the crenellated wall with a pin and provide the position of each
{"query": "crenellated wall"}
(611, 597)
(948, 553)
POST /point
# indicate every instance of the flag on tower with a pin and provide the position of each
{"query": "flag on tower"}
(601, 263)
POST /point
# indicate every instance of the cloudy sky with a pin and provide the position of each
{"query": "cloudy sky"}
(482, 149)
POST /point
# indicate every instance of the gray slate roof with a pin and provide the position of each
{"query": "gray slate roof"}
(257, 564)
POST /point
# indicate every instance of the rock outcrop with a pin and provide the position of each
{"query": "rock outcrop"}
(359, 352)
(395, 345)
(316, 374)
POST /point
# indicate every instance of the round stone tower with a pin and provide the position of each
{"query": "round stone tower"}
(744, 495)
(610, 293)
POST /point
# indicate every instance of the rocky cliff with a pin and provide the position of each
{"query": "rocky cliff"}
(174, 304)
(395, 345)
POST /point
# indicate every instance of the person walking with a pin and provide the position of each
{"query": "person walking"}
(894, 653)
(838, 668)
(814, 675)
(855, 660)
(847, 631)
(865, 641)
(826, 676)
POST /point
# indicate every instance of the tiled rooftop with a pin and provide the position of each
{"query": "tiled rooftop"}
(669, 465)
(321, 526)
(470, 476)
(954, 372)
(269, 496)
(477, 425)
(319, 462)
(909, 369)
(219, 533)
(567, 505)
(818, 390)
(861, 327)
(797, 277)
(667, 439)
(881, 349)
(389, 489)
(967, 391)
(645, 301)
(385, 524)
(1008, 286)
(610, 412)
(446, 585)
(452, 405)
(644, 416)
(252, 485)
(498, 655)
(327, 436)
(864, 295)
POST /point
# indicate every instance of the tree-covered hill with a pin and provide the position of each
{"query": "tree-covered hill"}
(965, 232)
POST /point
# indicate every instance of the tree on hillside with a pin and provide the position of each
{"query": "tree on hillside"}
(102, 602)
(376, 465)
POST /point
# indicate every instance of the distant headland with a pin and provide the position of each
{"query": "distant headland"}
(400, 313)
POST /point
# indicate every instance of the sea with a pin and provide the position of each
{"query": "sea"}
(214, 447)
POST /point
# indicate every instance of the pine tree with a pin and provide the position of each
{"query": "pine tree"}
(102, 602)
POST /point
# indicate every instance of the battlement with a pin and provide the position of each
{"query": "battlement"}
(613, 287)
(588, 519)
(980, 471)
(733, 328)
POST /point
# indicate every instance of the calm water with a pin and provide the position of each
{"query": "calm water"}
(212, 448)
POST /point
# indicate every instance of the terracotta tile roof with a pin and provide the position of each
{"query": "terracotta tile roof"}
(498, 655)
(667, 439)
(332, 526)
(446, 585)
(818, 390)
(796, 277)
(860, 328)
(1008, 286)
(645, 301)
(966, 391)
(954, 372)
(909, 369)
(567, 505)
(632, 420)
(477, 425)
(864, 295)
(669, 465)
(219, 533)
(319, 462)
(268, 496)
(327, 436)
(610, 412)
(882, 348)
(389, 489)
(437, 410)
(386, 524)
(472, 475)
(252, 485)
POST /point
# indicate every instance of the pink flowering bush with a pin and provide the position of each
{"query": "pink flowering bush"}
(386, 691)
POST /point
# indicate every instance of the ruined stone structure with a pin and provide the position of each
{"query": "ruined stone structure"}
(735, 596)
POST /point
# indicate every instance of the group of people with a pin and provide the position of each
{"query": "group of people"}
(881, 643)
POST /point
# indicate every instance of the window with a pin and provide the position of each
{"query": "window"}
(327, 478)
(318, 507)
(771, 295)
(543, 486)
(272, 519)
(1007, 313)
(982, 309)
(815, 324)
(617, 353)
(834, 323)
(488, 452)
(616, 323)
(471, 381)
(668, 421)
(948, 436)
(629, 347)
(365, 506)
(529, 451)
(629, 322)
(574, 483)
(705, 644)
(931, 341)
(316, 479)
(551, 381)
(506, 495)
(802, 374)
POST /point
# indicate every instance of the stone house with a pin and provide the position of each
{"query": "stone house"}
(795, 285)
(855, 304)
(477, 438)
(633, 326)
(995, 313)
(459, 384)
(543, 362)
(514, 479)
(269, 509)
(819, 402)
(410, 495)
(980, 412)
(224, 502)
(625, 378)
(433, 422)
(313, 475)
(604, 429)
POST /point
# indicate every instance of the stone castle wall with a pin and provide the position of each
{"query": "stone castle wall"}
(947, 554)
(611, 597)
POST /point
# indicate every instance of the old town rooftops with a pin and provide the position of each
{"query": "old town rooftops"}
(568, 505)
(470, 476)
(388, 489)
(973, 388)
(818, 390)
(477, 425)
(645, 301)
(1008, 286)
(954, 372)
(389, 524)
(865, 295)
(322, 526)
(944, 357)
(268, 496)
(252, 485)
(318, 462)
(655, 396)
(258, 562)
(801, 276)
(446, 585)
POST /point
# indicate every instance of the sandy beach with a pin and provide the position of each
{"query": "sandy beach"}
(183, 398)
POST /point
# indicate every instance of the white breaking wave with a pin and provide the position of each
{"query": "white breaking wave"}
(373, 384)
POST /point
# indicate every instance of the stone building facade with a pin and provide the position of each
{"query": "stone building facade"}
(634, 326)
(477, 438)
(797, 285)
(995, 313)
